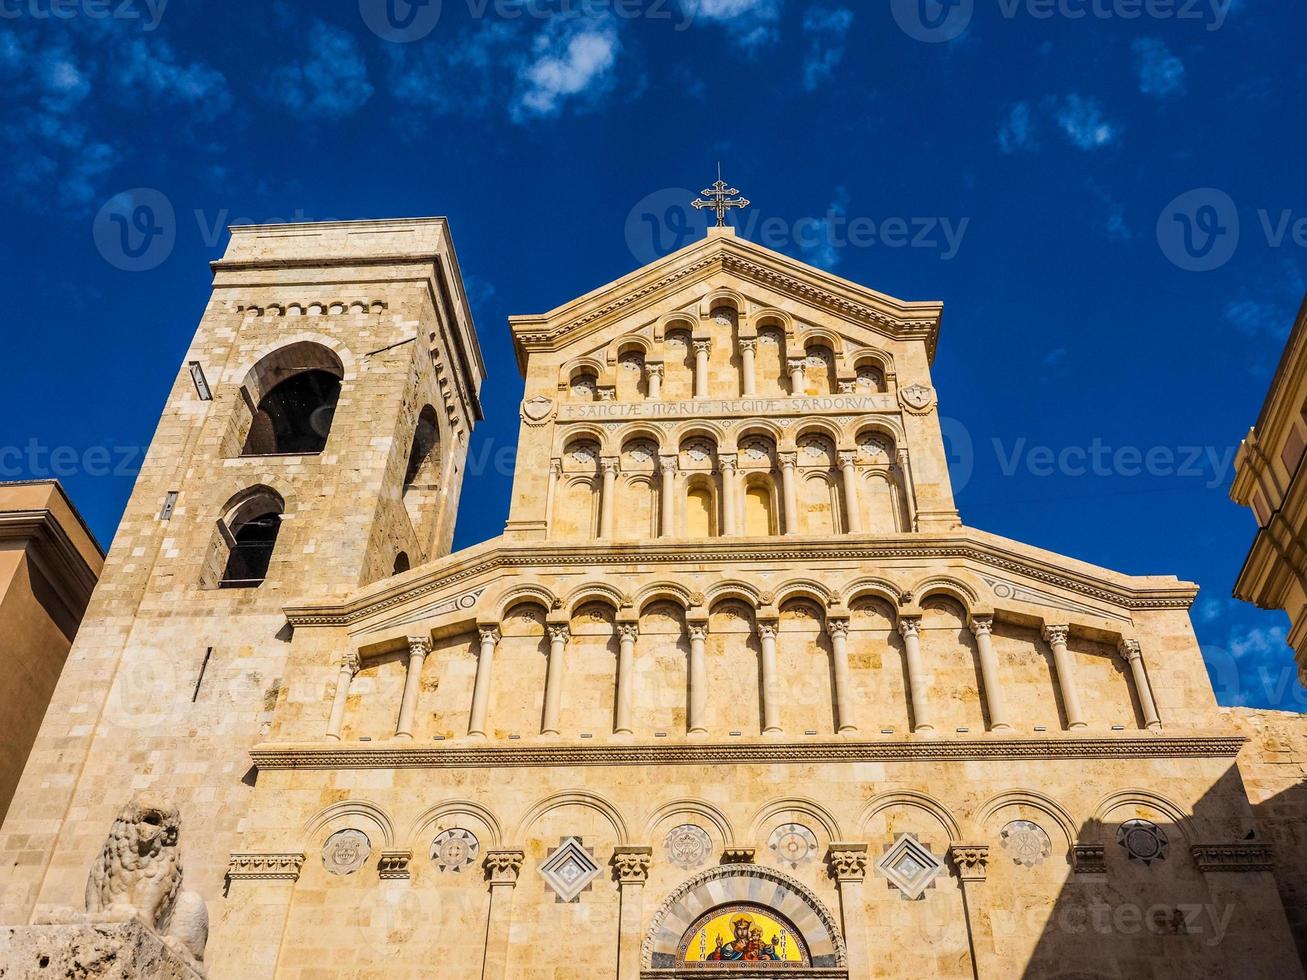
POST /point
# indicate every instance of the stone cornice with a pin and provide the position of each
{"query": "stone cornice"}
(62, 564)
(1235, 856)
(333, 756)
(964, 545)
(265, 866)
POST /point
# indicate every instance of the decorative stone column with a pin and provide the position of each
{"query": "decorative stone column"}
(728, 464)
(349, 668)
(631, 870)
(839, 643)
(485, 676)
(848, 866)
(971, 861)
(606, 499)
(697, 715)
(853, 511)
(981, 628)
(909, 629)
(418, 648)
(797, 366)
(502, 869)
(1134, 657)
(667, 467)
(551, 490)
(748, 370)
(626, 633)
(789, 490)
(654, 378)
(771, 701)
(701, 349)
(1056, 637)
(909, 489)
(558, 637)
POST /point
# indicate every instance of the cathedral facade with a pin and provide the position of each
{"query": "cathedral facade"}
(736, 693)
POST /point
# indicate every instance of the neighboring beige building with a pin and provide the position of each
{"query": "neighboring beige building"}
(1270, 478)
(736, 694)
(48, 566)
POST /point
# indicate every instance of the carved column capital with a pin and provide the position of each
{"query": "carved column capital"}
(607, 394)
(788, 460)
(799, 364)
(749, 345)
(503, 866)
(608, 464)
(631, 864)
(767, 630)
(265, 866)
(738, 855)
(419, 646)
(970, 860)
(848, 458)
(668, 464)
(653, 370)
(628, 631)
(350, 661)
(982, 625)
(702, 346)
(848, 387)
(848, 862)
(1129, 650)
(837, 627)
(559, 634)
(1089, 859)
(556, 467)
(1057, 634)
(394, 864)
(489, 634)
(727, 462)
(697, 631)
(909, 627)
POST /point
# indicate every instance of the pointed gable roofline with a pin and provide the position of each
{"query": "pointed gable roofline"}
(723, 251)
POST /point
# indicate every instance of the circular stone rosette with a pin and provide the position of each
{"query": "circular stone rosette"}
(1026, 843)
(1143, 841)
(346, 851)
(687, 846)
(455, 850)
(793, 844)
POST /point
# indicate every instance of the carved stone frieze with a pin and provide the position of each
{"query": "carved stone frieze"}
(265, 866)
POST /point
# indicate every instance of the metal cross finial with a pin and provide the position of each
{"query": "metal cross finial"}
(721, 198)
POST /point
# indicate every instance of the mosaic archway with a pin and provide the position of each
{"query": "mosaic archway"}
(781, 915)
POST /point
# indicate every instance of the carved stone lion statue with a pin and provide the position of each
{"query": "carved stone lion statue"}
(139, 875)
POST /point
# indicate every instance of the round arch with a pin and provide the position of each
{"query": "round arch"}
(1030, 798)
(730, 883)
(829, 824)
(699, 808)
(434, 815)
(1138, 797)
(574, 798)
(912, 800)
(350, 809)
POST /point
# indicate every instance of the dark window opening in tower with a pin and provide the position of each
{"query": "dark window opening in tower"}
(295, 416)
(251, 552)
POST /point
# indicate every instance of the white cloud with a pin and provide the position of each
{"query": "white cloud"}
(332, 81)
(1267, 308)
(573, 59)
(825, 29)
(750, 23)
(821, 250)
(1017, 130)
(1161, 73)
(1258, 642)
(1082, 121)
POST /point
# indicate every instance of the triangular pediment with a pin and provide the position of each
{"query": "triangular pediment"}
(724, 252)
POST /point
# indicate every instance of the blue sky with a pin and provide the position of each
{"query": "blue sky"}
(1103, 192)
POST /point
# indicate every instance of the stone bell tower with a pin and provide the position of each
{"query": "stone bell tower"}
(313, 443)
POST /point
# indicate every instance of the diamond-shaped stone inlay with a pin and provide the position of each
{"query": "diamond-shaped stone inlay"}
(909, 866)
(569, 869)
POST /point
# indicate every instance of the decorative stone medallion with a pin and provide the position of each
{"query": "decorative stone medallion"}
(910, 867)
(793, 844)
(570, 869)
(1143, 841)
(346, 851)
(454, 850)
(687, 846)
(917, 398)
(1026, 843)
(538, 410)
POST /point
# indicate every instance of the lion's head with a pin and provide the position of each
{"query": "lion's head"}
(138, 865)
